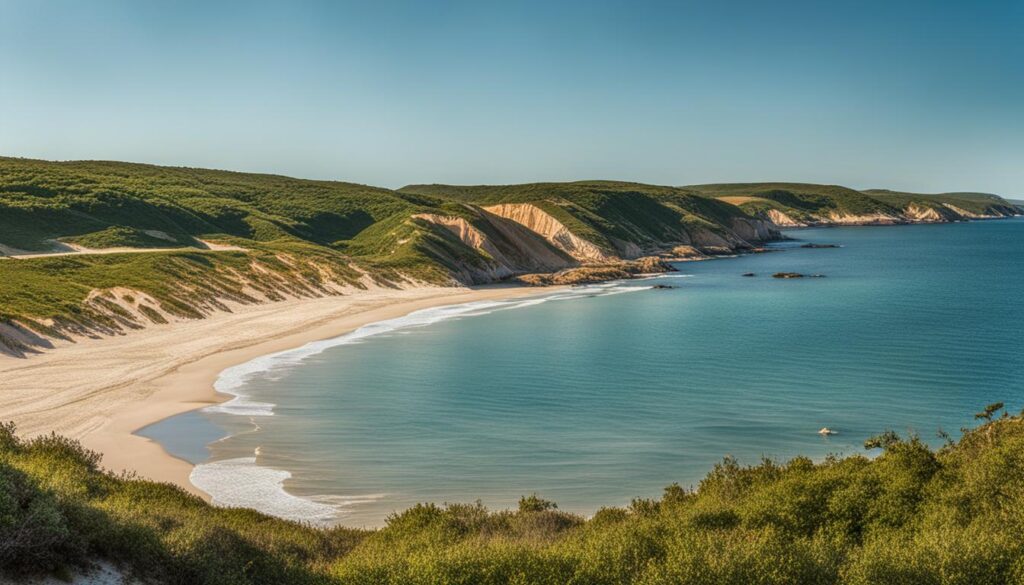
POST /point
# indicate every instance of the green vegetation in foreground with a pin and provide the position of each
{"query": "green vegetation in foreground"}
(810, 202)
(911, 515)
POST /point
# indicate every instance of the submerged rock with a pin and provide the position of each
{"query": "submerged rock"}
(796, 275)
(662, 287)
(810, 245)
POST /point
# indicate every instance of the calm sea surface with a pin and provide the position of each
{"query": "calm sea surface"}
(604, 394)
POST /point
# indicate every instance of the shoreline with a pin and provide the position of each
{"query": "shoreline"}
(181, 363)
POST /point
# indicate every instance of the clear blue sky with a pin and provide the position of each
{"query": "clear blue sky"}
(914, 95)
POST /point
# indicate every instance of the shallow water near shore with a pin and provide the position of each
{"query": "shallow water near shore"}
(591, 397)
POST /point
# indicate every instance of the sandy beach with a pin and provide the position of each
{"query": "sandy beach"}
(102, 390)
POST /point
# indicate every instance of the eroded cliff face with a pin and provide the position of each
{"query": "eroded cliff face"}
(839, 218)
(507, 247)
(993, 213)
(781, 219)
(912, 213)
(915, 212)
(744, 231)
(714, 243)
(755, 230)
(539, 221)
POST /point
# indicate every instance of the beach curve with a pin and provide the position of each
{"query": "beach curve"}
(101, 391)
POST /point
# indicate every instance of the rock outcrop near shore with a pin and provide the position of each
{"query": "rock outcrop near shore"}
(599, 273)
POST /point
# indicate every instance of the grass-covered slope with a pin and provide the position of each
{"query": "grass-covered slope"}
(805, 197)
(618, 218)
(981, 204)
(811, 204)
(294, 237)
(911, 515)
(291, 238)
(42, 200)
(102, 294)
(99, 204)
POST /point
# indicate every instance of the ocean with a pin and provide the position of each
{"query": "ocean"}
(597, 395)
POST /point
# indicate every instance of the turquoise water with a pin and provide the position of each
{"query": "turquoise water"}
(597, 398)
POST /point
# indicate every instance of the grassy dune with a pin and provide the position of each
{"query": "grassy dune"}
(910, 515)
(183, 282)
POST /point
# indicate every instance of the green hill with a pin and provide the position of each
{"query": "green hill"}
(910, 515)
(44, 200)
(981, 204)
(217, 236)
(804, 197)
(293, 236)
(189, 240)
(810, 204)
(619, 218)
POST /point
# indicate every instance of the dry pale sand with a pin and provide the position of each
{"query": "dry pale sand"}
(62, 249)
(101, 391)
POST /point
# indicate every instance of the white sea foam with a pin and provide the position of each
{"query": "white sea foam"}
(242, 483)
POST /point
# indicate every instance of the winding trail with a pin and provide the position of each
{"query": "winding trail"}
(74, 250)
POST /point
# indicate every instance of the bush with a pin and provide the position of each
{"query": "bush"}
(34, 534)
(909, 516)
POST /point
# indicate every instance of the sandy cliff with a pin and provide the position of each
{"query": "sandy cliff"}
(912, 213)
(507, 247)
(536, 220)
